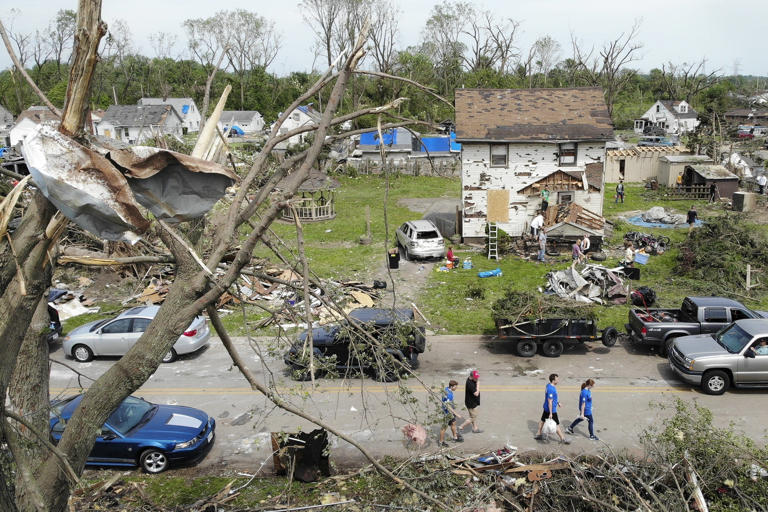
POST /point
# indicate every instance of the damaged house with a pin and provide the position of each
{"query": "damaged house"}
(134, 124)
(674, 117)
(516, 142)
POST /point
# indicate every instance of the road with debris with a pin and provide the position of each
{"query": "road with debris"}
(631, 388)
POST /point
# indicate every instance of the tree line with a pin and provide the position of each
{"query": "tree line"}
(461, 46)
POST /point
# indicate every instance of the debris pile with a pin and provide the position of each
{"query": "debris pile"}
(660, 215)
(574, 214)
(651, 244)
(518, 306)
(594, 283)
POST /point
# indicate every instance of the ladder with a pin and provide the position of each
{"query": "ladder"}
(493, 247)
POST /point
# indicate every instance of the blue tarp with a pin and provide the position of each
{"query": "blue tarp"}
(434, 144)
(372, 138)
(637, 220)
(236, 129)
(185, 109)
(455, 146)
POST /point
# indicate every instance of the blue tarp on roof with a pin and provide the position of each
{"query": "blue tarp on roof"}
(236, 129)
(455, 146)
(372, 138)
(434, 144)
(185, 109)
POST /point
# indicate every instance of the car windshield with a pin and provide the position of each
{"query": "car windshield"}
(427, 235)
(733, 338)
(130, 414)
(96, 326)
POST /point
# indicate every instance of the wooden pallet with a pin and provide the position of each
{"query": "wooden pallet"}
(574, 214)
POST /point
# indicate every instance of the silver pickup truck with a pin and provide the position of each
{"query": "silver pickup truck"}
(732, 356)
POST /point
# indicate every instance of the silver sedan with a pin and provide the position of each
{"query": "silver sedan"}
(115, 336)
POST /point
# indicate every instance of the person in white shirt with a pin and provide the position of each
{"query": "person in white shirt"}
(761, 181)
(536, 224)
(585, 244)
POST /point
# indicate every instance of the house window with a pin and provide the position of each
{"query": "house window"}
(568, 153)
(683, 109)
(498, 155)
(622, 167)
(658, 108)
(564, 197)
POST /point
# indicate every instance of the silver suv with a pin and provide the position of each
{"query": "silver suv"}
(736, 355)
(420, 239)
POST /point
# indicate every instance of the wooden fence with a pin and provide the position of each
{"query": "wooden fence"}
(688, 192)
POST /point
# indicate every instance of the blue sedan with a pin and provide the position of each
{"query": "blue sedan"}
(141, 433)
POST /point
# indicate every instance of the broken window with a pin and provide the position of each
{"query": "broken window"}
(568, 153)
(564, 197)
(658, 108)
(498, 155)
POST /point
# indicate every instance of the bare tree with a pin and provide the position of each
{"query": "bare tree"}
(208, 47)
(545, 52)
(502, 38)
(608, 68)
(322, 15)
(60, 32)
(384, 34)
(41, 51)
(685, 81)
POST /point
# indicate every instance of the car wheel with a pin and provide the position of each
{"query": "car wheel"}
(526, 348)
(552, 348)
(610, 335)
(598, 256)
(406, 254)
(153, 461)
(715, 382)
(82, 353)
(170, 356)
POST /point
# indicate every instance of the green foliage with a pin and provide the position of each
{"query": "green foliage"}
(516, 306)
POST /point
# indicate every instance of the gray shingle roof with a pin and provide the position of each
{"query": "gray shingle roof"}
(136, 115)
(238, 116)
(691, 114)
(177, 103)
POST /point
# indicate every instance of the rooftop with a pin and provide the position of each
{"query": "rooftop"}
(136, 115)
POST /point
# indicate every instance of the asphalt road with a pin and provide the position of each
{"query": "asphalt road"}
(631, 388)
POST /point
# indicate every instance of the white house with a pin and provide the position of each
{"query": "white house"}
(28, 121)
(517, 142)
(674, 117)
(249, 121)
(185, 108)
(134, 124)
(301, 116)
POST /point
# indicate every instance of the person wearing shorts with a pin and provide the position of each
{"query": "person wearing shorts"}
(550, 409)
(472, 401)
(449, 414)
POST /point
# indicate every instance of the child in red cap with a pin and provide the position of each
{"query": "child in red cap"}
(472, 400)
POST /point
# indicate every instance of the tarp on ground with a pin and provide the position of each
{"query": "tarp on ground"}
(637, 220)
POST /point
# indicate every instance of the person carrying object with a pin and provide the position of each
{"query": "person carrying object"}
(585, 410)
(550, 409)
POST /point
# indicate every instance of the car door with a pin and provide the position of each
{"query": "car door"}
(137, 328)
(753, 370)
(112, 448)
(113, 338)
(402, 235)
(713, 319)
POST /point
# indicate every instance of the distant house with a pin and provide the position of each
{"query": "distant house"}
(517, 142)
(28, 120)
(6, 123)
(134, 124)
(303, 115)
(248, 121)
(185, 108)
(398, 142)
(674, 117)
(437, 147)
(637, 164)
(746, 117)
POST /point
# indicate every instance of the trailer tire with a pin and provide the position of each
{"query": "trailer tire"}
(526, 348)
(552, 252)
(598, 256)
(552, 348)
(610, 335)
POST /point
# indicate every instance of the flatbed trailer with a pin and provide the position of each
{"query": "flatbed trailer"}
(551, 335)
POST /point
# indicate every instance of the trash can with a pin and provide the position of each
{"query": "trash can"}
(394, 258)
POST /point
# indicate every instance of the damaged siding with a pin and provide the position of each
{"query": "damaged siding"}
(527, 164)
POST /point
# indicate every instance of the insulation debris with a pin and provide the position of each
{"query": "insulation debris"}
(594, 283)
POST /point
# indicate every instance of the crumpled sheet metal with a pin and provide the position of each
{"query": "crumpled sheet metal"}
(101, 188)
(594, 283)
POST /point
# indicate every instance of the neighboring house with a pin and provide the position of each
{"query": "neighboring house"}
(134, 124)
(6, 123)
(674, 117)
(185, 108)
(28, 120)
(399, 144)
(437, 147)
(637, 164)
(743, 165)
(303, 115)
(517, 142)
(746, 116)
(671, 166)
(248, 121)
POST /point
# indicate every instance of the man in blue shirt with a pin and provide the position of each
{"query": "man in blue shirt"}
(550, 408)
(449, 414)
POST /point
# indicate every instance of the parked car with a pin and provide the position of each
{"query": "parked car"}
(420, 239)
(140, 433)
(745, 135)
(717, 361)
(697, 315)
(333, 345)
(115, 336)
(655, 141)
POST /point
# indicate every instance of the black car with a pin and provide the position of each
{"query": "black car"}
(342, 347)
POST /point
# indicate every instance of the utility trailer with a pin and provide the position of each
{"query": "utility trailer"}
(550, 335)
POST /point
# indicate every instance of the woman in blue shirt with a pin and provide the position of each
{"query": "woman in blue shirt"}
(585, 408)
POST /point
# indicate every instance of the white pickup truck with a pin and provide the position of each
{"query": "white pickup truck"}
(736, 355)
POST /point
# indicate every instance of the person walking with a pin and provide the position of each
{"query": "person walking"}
(585, 410)
(472, 401)
(692, 217)
(577, 254)
(761, 181)
(542, 246)
(620, 191)
(713, 192)
(449, 414)
(550, 409)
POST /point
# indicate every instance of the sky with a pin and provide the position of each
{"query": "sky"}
(730, 35)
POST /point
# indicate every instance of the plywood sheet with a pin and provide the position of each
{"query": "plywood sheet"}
(498, 206)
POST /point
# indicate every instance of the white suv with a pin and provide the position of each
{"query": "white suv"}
(420, 239)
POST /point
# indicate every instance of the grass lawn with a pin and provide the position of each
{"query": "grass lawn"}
(445, 299)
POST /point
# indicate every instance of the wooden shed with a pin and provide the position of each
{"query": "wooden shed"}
(703, 175)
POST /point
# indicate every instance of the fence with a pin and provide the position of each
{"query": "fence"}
(446, 168)
(688, 192)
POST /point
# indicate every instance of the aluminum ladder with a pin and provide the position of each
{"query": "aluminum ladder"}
(493, 237)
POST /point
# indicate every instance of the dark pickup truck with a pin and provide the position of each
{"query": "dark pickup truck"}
(698, 315)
